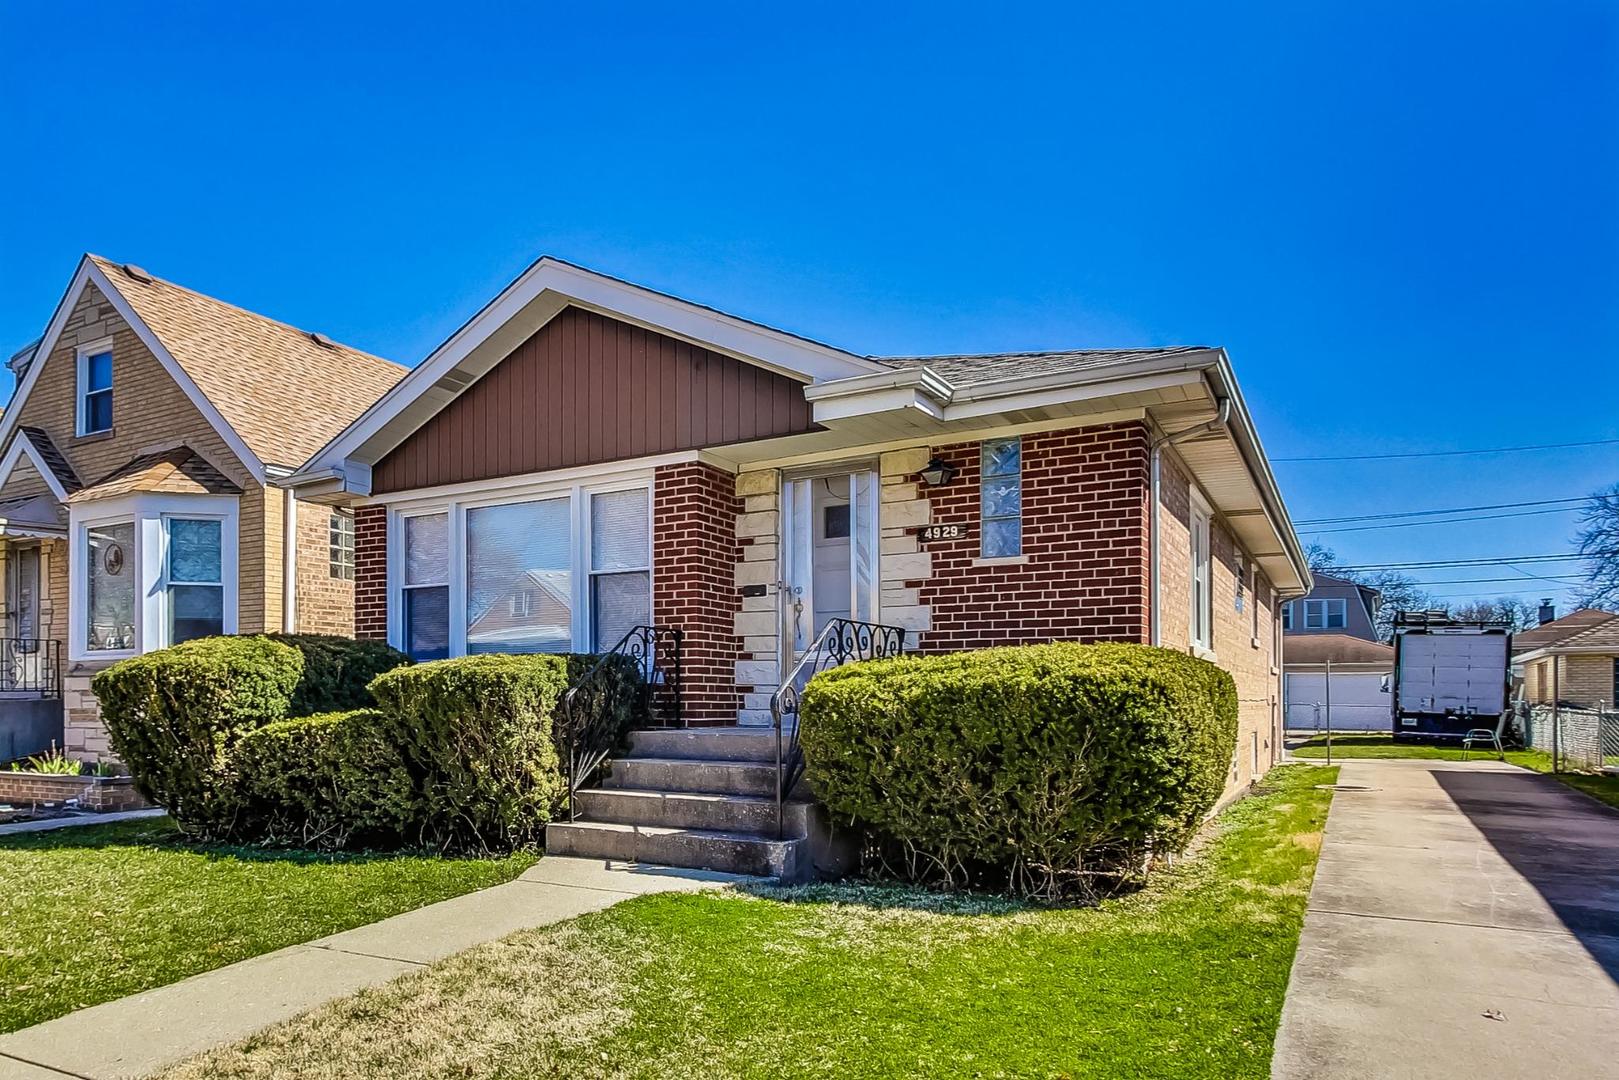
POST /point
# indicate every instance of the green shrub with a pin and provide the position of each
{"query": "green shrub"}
(332, 780)
(613, 699)
(337, 671)
(1046, 768)
(474, 733)
(172, 715)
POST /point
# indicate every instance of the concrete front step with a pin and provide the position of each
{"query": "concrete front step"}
(750, 814)
(707, 744)
(697, 849)
(685, 774)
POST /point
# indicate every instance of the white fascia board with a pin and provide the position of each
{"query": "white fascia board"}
(797, 357)
(21, 445)
(89, 272)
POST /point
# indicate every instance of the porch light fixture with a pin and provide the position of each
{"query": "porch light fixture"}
(937, 473)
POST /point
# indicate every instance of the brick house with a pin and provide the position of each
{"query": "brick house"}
(664, 462)
(1574, 660)
(139, 461)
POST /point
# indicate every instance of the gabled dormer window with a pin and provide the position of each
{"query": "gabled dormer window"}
(95, 388)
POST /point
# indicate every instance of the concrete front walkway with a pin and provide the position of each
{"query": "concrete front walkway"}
(1464, 923)
(139, 1034)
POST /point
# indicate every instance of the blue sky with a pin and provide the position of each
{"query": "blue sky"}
(1399, 218)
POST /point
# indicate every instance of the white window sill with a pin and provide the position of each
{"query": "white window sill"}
(1004, 560)
(1256, 643)
(1203, 653)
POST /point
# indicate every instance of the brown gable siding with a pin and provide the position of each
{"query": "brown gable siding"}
(587, 389)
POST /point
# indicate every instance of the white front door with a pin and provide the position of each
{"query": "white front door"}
(828, 555)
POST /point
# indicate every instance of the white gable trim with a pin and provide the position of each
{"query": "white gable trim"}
(87, 273)
(797, 357)
(21, 445)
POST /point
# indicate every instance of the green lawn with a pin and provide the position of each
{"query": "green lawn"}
(92, 913)
(1185, 979)
(1605, 788)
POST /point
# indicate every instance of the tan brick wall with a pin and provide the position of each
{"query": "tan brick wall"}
(1581, 680)
(325, 603)
(1249, 657)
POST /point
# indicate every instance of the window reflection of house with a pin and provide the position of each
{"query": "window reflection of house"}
(533, 615)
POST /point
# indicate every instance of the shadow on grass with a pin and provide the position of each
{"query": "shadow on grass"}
(891, 896)
(161, 835)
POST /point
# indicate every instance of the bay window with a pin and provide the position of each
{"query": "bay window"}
(150, 570)
(564, 569)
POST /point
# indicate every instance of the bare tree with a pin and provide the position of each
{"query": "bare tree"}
(1400, 593)
(1517, 614)
(1598, 541)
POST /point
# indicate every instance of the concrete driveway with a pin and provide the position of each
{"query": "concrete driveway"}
(1464, 923)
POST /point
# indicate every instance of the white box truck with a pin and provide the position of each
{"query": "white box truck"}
(1449, 676)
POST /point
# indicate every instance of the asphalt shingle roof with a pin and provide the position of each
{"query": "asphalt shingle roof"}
(1559, 631)
(283, 392)
(970, 368)
(53, 458)
(179, 469)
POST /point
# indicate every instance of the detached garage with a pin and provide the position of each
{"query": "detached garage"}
(1360, 669)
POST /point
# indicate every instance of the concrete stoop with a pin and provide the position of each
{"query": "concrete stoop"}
(702, 799)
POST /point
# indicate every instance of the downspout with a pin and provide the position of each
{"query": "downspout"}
(289, 563)
(1156, 471)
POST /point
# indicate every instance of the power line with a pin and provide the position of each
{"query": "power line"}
(1494, 561)
(1451, 453)
(1451, 510)
(1487, 580)
(1438, 521)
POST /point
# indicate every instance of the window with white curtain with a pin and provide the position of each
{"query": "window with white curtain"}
(425, 590)
(1202, 622)
(194, 583)
(620, 565)
(520, 577)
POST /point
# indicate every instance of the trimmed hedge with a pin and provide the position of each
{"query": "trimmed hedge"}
(337, 671)
(330, 780)
(173, 714)
(1045, 769)
(474, 734)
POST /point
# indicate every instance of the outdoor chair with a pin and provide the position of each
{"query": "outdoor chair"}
(1491, 736)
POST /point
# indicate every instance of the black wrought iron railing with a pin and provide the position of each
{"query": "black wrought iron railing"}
(640, 675)
(31, 665)
(842, 641)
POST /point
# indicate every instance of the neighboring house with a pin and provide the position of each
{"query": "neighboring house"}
(1336, 622)
(1574, 660)
(1334, 606)
(692, 469)
(139, 458)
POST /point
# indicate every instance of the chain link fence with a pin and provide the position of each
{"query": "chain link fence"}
(1579, 737)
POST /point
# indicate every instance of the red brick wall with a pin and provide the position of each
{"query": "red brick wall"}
(694, 554)
(371, 572)
(1086, 578)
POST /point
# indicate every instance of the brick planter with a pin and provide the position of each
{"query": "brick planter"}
(96, 793)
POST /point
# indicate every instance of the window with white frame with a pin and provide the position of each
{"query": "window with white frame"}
(1287, 615)
(1327, 614)
(340, 544)
(95, 389)
(1202, 615)
(566, 570)
(1000, 480)
(194, 579)
(426, 587)
(109, 559)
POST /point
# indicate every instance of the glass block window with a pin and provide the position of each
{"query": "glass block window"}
(195, 584)
(426, 587)
(1000, 470)
(340, 532)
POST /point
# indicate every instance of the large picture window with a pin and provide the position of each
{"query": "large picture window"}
(558, 571)
(194, 582)
(427, 587)
(519, 578)
(109, 556)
